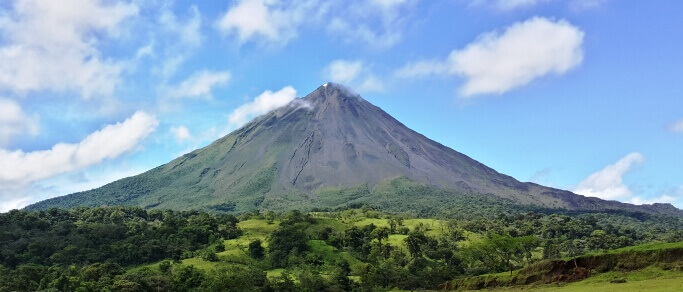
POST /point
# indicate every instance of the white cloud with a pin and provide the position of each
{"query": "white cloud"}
(510, 5)
(14, 203)
(498, 62)
(354, 74)
(342, 71)
(676, 127)
(181, 133)
(607, 183)
(424, 68)
(507, 5)
(20, 168)
(199, 85)
(16, 197)
(265, 102)
(145, 51)
(379, 23)
(179, 39)
(580, 5)
(52, 45)
(270, 20)
(371, 83)
(189, 32)
(14, 122)
(661, 199)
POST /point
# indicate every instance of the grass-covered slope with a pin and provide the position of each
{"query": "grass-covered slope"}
(618, 266)
(132, 249)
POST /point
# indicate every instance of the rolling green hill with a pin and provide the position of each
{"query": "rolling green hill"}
(132, 249)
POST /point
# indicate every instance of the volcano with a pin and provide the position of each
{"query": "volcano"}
(329, 149)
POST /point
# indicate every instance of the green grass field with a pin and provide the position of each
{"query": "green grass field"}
(648, 279)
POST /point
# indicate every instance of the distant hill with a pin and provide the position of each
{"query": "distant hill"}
(329, 149)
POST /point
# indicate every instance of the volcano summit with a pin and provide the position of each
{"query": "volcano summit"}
(330, 149)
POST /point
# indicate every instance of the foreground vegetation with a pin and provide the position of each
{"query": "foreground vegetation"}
(131, 249)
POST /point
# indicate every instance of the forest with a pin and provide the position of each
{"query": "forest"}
(133, 249)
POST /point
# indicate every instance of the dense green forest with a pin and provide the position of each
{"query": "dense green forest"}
(132, 249)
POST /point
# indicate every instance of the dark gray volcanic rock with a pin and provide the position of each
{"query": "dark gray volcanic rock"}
(332, 138)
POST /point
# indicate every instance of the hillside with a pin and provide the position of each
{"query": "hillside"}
(131, 249)
(329, 149)
(606, 270)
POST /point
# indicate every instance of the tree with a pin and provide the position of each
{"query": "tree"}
(210, 256)
(574, 249)
(551, 250)
(287, 239)
(528, 244)
(380, 234)
(256, 250)
(454, 232)
(497, 251)
(270, 217)
(235, 279)
(414, 241)
(186, 278)
(392, 225)
(165, 267)
(507, 246)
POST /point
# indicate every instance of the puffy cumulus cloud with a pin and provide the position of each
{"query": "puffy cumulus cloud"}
(14, 122)
(498, 62)
(607, 183)
(265, 102)
(676, 127)
(19, 168)
(199, 85)
(353, 73)
(270, 20)
(181, 133)
(379, 23)
(52, 45)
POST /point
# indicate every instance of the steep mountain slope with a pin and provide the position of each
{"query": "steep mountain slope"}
(327, 149)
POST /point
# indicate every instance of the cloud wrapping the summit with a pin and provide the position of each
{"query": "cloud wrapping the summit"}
(263, 103)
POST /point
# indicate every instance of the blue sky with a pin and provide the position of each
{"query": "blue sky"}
(583, 95)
